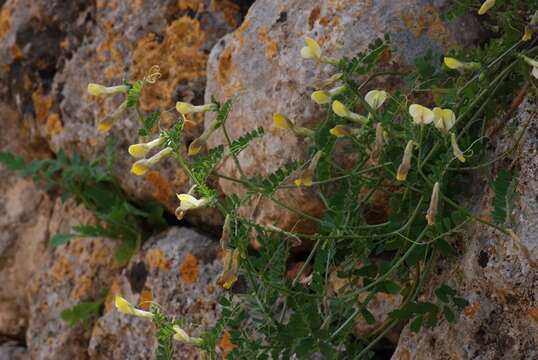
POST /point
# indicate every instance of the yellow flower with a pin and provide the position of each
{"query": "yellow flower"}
(534, 65)
(100, 90)
(230, 268)
(105, 124)
(125, 307)
(322, 97)
(421, 115)
(142, 166)
(196, 146)
(342, 111)
(139, 151)
(330, 81)
(186, 108)
(189, 202)
(486, 6)
(307, 176)
(444, 119)
(434, 202)
(531, 27)
(456, 149)
(182, 336)
(376, 98)
(455, 64)
(282, 122)
(312, 49)
(341, 131)
(404, 167)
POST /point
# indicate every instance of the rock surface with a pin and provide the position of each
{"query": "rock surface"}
(497, 274)
(261, 64)
(51, 50)
(177, 270)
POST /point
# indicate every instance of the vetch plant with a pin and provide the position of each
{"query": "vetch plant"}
(410, 145)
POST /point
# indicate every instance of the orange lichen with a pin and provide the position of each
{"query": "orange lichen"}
(162, 190)
(314, 16)
(226, 344)
(60, 268)
(42, 105)
(271, 47)
(156, 260)
(179, 56)
(188, 271)
(471, 310)
(533, 312)
(83, 286)
(229, 9)
(194, 5)
(54, 124)
(115, 289)
(226, 69)
(107, 52)
(239, 33)
(428, 20)
(146, 297)
(5, 20)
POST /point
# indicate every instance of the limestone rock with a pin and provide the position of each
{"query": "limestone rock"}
(71, 273)
(11, 350)
(51, 50)
(176, 269)
(497, 274)
(261, 64)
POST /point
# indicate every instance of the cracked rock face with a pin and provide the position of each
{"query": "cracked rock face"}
(497, 274)
(177, 270)
(260, 64)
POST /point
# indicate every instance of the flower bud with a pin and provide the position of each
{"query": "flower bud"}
(139, 151)
(404, 167)
(182, 336)
(230, 268)
(186, 108)
(342, 111)
(456, 149)
(125, 307)
(105, 124)
(455, 64)
(100, 90)
(341, 131)
(486, 6)
(306, 178)
(434, 202)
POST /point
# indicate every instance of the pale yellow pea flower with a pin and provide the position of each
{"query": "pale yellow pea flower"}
(342, 111)
(139, 151)
(444, 119)
(306, 178)
(230, 268)
(534, 65)
(101, 90)
(106, 124)
(486, 6)
(186, 108)
(376, 98)
(142, 166)
(181, 336)
(421, 115)
(456, 149)
(405, 166)
(322, 97)
(125, 307)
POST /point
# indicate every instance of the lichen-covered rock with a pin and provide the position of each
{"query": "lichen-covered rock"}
(67, 275)
(51, 50)
(497, 274)
(26, 212)
(261, 64)
(11, 350)
(176, 269)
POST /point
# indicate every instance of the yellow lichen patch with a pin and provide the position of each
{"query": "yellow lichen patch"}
(428, 20)
(162, 190)
(146, 297)
(5, 20)
(271, 47)
(42, 105)
(156, 260)
(239, 33)
(225, 344)
(194, 5)
(229, 9)
(226, 69)
(533, 312)
(471, 310)
(54, 124)
(83, 286)
(60, 269)
(179, 56)
(188, 271)
(108, 53)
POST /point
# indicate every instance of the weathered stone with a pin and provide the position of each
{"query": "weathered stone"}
(176, 269)
(11, 350)
(25, 216)
(71, 273)
(497, 274)
(51, 50)
(261, 64)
